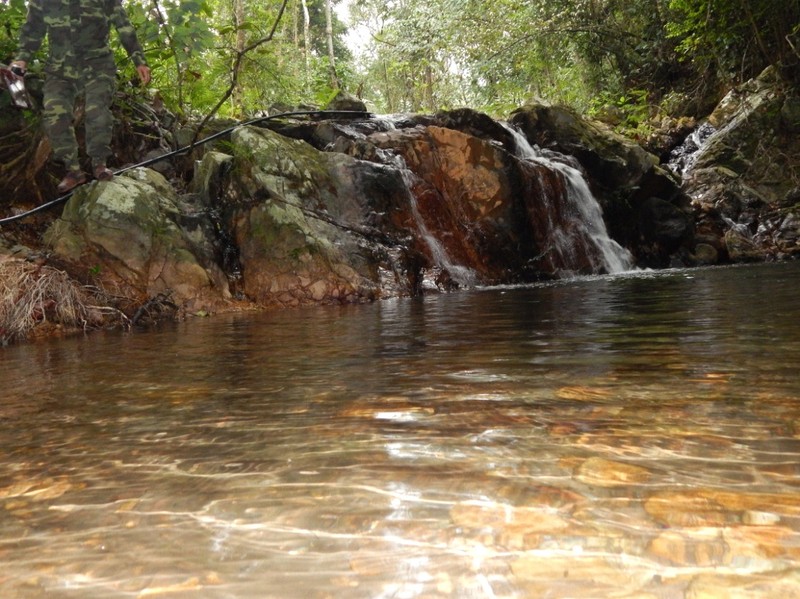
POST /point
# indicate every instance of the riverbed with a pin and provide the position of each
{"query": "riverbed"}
(628, 436)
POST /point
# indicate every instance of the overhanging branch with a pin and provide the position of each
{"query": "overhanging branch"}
(236, 69)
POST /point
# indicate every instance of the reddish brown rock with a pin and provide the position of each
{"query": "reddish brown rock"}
(711, 507)
(601, 472)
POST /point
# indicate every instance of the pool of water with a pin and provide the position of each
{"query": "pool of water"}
(628, 436)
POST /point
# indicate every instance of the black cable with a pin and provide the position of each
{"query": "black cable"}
(186, 149)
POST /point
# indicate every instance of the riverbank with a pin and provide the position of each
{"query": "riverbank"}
(328, 210)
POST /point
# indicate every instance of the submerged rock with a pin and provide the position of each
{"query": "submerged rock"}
(601, 472)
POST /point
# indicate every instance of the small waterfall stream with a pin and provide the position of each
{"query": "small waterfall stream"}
(548, 222)
(683, 157)
(574, 217)
(462, 275)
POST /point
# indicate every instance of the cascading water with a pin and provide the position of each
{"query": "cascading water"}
(683, 157)
(575, 233)
(486, 215)
(462, 275)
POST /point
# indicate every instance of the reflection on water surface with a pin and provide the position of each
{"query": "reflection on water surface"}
(629, 437)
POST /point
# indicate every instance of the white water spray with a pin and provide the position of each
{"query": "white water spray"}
(585, 217)
(464, 276)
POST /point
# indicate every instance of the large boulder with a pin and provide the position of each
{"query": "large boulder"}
(610, 159)
(300, 220)
(489, 207)
(125, 235)
(464, 194)
(743, 179)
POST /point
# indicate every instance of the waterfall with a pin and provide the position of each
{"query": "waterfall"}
(683, 157)
(462, 275)
(575, 234)
(541, 221)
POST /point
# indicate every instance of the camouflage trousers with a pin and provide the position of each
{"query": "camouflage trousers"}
(96, 80)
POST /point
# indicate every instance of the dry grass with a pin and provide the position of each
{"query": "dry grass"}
(32, 294)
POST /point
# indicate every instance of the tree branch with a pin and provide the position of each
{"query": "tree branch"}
(236, 69)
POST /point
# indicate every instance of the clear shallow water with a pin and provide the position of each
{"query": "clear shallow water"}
(633, 436)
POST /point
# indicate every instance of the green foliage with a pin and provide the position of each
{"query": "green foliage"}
(178, 39)
(192, 45)
(736, 39)
(12, 16)
(631, 114)
(426, 55)
(496, 55)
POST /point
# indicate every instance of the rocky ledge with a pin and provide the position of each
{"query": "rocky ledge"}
(293, 212)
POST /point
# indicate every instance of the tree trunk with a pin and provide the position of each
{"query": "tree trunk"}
(296, 25)
(429, 88)
(307, 41)
(237, 98)
(329, 36)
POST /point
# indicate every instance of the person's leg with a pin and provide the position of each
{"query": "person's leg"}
(99, 86)
(59, 103)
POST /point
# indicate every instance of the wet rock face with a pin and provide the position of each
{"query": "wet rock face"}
(405, 204)
(611, 161)
(742, 181)
(623, 175)
(466, 190)
(368, 209)
(294, 214)
(664, 230)
(506, 216)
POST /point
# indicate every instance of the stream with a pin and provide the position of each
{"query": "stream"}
(635, 435)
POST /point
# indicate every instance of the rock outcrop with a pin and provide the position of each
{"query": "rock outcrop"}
(643, 202)
(354, 208)
(127, 235)
(392, 211)
(743, 181)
